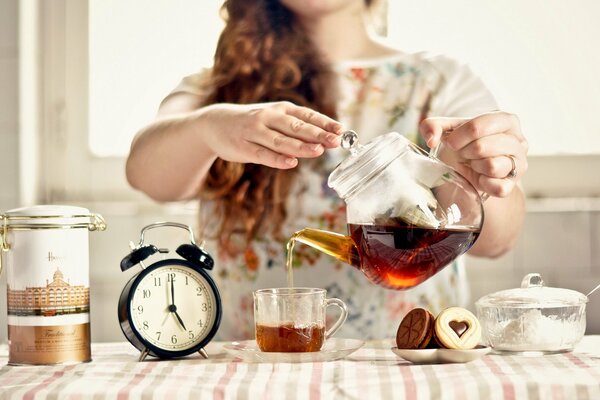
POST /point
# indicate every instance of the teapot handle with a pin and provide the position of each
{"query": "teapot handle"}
(433, 152)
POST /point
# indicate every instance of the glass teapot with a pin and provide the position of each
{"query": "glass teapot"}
(408, 214)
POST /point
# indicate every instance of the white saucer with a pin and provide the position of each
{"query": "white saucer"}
(439, 356)
(333, 349)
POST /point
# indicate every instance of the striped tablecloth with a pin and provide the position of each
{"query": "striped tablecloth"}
(373, 372)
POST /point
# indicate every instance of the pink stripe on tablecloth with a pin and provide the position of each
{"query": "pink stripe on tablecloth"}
(557, 392)
(267, 395)
(219, 391)
(361, 379)
(59, 374)
(576, 360)
(458, 382)
(584, 365)
(410, 388)
(14, 378)
(507, 387)
(315, 381)
(124, 392)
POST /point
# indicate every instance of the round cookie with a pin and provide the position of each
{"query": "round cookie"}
(415, 330)
(457, 328)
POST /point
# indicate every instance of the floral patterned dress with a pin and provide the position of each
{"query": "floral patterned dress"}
(376, 96)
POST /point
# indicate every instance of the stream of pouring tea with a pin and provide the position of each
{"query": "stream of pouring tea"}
(288, 262)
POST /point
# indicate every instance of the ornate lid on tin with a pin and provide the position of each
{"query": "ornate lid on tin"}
(52, 216)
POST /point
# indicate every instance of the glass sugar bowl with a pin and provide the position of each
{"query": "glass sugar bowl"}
(533, 318)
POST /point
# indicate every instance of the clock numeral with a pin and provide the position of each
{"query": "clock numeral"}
(186, 281)
(171, 277)
(174, 339)
(199, 291)
(204, 307)
(157, 281)
(146, 293)
(191, 334)
(199, 323)
(140, 309)
(158, 335)
(145, 325)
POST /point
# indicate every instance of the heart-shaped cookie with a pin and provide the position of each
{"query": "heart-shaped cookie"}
(457, 328)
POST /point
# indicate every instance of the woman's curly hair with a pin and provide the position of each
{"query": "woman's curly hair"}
(262, 55)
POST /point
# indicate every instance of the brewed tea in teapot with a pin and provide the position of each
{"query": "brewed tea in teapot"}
(408, 214)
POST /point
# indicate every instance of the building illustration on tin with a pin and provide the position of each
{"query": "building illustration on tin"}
(56, 298)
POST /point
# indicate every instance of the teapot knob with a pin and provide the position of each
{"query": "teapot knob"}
(350, 141)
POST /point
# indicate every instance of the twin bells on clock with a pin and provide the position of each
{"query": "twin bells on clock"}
(172, 307)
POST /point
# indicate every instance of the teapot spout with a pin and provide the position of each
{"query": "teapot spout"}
(339, 246)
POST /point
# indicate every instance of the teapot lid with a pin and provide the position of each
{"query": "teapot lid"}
(365, 161)
(533, 294)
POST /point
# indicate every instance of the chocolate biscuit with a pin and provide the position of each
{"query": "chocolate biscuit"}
(415, 330)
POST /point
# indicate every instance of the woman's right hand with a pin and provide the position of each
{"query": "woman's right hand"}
(273, 134)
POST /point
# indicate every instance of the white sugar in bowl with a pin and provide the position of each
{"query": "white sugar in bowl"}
(532, 318)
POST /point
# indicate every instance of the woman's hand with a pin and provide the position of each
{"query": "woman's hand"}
(273, 134)
(488, 150)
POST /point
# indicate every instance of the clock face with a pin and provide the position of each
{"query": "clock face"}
(173, 308)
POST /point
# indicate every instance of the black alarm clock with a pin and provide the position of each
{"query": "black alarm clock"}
(171, 308)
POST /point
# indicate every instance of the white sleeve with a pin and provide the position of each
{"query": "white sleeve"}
(461, 93)
(191, 84)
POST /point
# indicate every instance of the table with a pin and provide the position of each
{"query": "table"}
(373, 372)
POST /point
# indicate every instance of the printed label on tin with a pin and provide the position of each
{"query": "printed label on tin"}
(58, 296)
(48, 296)
(47, 276)
(48, 344)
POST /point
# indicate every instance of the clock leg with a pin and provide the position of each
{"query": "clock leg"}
(143, 355)
(203, 353)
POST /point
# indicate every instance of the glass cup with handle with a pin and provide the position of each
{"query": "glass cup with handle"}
(292, 320)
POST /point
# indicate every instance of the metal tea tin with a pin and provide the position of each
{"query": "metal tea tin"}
(46, 258)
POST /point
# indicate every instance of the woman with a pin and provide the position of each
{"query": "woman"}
(256, 136)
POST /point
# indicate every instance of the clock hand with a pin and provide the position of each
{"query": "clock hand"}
(180, 320)
(172, 292)
(173, 310)
(166, 316)
(173, 307)
(169, 306)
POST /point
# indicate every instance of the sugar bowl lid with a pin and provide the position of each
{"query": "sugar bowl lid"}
(533, 294)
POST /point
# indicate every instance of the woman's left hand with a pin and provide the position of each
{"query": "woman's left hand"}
(489, 150)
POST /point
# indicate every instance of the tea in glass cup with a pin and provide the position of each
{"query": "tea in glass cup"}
(292, 320)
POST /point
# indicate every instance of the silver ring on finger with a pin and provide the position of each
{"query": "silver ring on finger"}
(513, 171)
